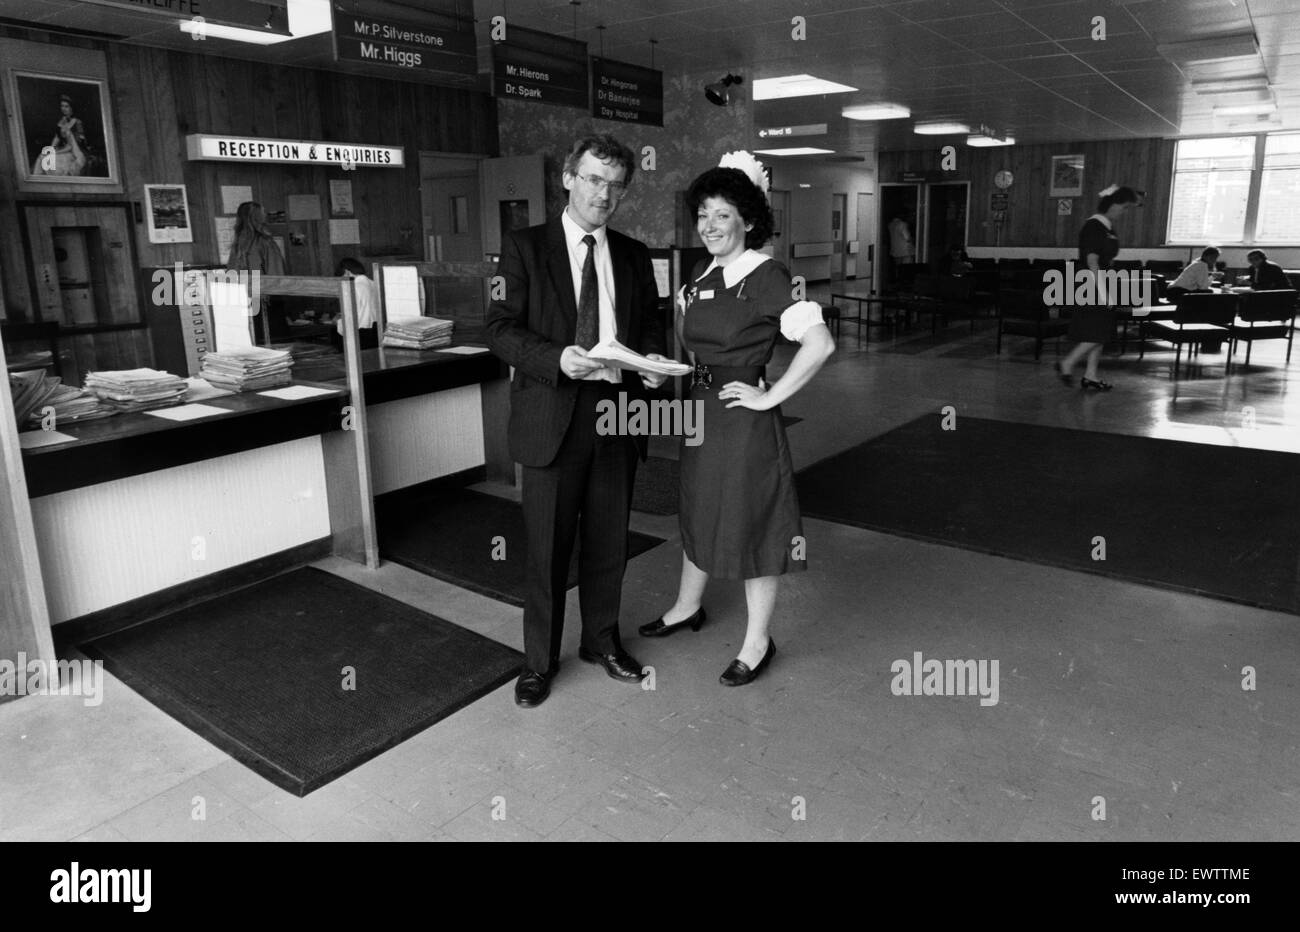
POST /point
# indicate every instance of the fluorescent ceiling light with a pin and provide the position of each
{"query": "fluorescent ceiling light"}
(1219, 48)
(985, 141)
(876, 112)
(1228, 85)
(306, 18)
(796, 85)
(798, 150)
(937, 128)
(1245, 109)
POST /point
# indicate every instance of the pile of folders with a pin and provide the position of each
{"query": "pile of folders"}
(248, 369)
(136, 389)
(36, 393)
(419, 333)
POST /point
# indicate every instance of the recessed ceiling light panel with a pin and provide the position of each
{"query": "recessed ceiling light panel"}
(798, 150)
(940, 128)
(796, 85)
(876, 112)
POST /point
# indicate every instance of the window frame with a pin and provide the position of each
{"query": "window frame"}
(1251, 220)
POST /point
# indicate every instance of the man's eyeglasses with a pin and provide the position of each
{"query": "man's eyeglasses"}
(616, 188)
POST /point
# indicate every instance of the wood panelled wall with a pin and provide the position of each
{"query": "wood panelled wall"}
(160, 96)
(1032, 218)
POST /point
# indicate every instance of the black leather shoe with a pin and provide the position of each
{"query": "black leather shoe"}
(620, 665)
(1061, 374)
(739, 674)
(657, 628)
(1097, 384)
(532, 688)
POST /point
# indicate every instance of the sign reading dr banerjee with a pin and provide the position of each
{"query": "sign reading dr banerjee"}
(205, 147)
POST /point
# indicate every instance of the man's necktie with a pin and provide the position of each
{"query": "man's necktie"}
(589, 299)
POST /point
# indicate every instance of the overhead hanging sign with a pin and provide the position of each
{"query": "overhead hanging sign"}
(262, 15)
(213, 148)
(441, 47)
(540, 67)
(806, 129)
(620, 91)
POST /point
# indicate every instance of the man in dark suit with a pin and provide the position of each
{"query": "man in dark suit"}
(569, 284)
(1266, 275)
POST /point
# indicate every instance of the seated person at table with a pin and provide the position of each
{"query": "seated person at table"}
(956, 262)
(367, 299)
(1196, 277)
(1265, 275)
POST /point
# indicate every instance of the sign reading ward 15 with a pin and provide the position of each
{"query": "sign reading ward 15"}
(620, 91)
(443, 46)
(212, 148)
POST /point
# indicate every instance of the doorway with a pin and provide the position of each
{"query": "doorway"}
(450, 205)
(945, 218)
(898, 235)
(839, 236)
(864, 260)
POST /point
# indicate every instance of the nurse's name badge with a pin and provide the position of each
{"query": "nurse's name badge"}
(706, 294)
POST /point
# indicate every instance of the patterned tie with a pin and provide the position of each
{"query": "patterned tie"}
(589, 299)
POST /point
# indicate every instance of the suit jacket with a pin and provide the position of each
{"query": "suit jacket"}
(538, 317)
(1269, 277)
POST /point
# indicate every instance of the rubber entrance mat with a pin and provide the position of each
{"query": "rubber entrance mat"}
(467, 538)
(306, 675)
(1216, 521)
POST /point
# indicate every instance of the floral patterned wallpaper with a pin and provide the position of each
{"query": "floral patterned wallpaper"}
(694, 136)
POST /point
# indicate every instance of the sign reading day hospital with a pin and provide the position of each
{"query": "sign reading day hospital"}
(620, 91)
(213, 148)
(540, 67)
(443, 47)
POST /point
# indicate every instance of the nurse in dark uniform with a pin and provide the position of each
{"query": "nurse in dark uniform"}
(1091, 327)
(739, 516)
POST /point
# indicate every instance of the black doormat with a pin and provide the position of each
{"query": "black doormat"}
(658, 479)
(262, 673)
(1216, 521)
(467, 538)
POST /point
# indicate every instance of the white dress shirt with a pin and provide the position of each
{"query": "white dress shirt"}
(1196, 277)
(367, 298)
(608, 328)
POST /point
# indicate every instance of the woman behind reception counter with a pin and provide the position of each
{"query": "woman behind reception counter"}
(367, 299)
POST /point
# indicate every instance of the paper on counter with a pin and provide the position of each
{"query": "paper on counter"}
(294, 392)
(402, 291)
(43, 438)
(463, 350)
(199, 389)
(230, 315)
(186, 412)
(614, 353)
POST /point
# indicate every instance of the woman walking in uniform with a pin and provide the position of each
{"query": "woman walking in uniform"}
(738, 512)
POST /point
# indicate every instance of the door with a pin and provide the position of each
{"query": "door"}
(898, 202)
(946, 214)
(449, 197)
(839, 235)
(866, 237)
(781, 226)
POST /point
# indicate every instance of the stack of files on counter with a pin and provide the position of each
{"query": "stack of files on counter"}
(30, 390)
(70, 405)
(420, 333)
(136, 389)
(247, 368)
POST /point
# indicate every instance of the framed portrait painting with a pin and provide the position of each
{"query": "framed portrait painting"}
(62, 132)
(1067, 176)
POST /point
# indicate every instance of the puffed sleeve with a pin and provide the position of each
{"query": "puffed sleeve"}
(798, 317)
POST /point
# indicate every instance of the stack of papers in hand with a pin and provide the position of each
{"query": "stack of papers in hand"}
(136, 389)
(70, 404)
(615, 354)
(30, 390)
(420, 333)
(247, 368)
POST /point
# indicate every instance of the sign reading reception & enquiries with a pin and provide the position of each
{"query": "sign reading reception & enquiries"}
(540, 67)
(626, 92)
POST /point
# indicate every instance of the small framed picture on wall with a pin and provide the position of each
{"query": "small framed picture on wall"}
(167, 212)
(1067, 176)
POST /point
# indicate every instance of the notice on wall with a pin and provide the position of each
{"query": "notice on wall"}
(232, 195)
(662, 268)
(341, 198)
(626, 92)
(225, 227)
(304, 207)
(344, 232)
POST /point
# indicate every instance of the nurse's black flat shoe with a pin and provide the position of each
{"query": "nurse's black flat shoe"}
(657, 628)
(1098, 384)
(1062, 375)
(739, 673)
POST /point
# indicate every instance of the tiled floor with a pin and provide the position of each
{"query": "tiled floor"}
(1112, 695)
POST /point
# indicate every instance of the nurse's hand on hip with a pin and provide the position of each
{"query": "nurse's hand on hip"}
(744, 395)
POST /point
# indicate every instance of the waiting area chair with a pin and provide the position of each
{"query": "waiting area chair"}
(1022, 312)
(1198, 319)
(1263, 315)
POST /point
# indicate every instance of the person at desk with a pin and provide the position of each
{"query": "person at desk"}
(1196, 277)
(367, 298)
(1266, 275)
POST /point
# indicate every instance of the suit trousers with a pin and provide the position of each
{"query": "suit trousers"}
(584, 494)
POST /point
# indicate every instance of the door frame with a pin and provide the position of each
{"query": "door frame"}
(965, 233)
(461, 170)
(882, 227)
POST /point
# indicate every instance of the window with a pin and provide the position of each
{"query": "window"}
(1279, 191)
(1236, 189)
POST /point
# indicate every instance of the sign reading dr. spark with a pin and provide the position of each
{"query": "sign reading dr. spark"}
(208, 147)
